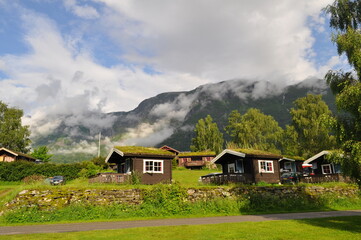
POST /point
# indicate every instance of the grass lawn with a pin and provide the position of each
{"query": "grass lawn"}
(324, 228)
(189, 178)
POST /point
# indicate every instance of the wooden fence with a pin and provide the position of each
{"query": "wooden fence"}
(227, 178)
(320, 178)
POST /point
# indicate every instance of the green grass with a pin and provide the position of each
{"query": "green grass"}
(189, 178)
(341, 228)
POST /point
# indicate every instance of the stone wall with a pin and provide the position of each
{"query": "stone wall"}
(58, 198)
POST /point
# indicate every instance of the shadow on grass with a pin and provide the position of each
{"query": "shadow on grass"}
(349, 223)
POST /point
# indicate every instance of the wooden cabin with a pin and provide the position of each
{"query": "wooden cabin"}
(7, 155)
(246, 166)
(318, 169)
(194, 160)
(153, 165)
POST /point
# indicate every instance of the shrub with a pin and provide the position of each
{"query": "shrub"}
(33, 179)
(18, 170)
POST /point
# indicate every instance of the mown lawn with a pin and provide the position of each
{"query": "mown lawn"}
(341, 228)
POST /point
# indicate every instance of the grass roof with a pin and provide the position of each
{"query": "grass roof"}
(256, 152)
(143, 150)
(185, 154)
(297, 158)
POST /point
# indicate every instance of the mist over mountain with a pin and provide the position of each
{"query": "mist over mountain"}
(169, 118)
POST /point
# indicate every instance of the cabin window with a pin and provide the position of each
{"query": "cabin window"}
(265, 166)
(239, 166)
(288, 166)
(231, 167)
(152, 166)
(326, 169)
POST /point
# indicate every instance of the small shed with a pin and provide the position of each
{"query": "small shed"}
(246, 166)
(195, 159)
(153, 165)
(7, 155)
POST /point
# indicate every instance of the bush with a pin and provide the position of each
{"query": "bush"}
(33, 179)
(18, 170)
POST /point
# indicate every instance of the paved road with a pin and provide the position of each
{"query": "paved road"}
(77, 227)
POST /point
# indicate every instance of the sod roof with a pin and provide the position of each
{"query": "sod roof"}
(188, 154)
(255, 152)
(136, 150)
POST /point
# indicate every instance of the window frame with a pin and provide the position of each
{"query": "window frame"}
(266, 167)
(324, 165)
(161, 171)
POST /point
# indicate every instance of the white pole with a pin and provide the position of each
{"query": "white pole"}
(100, 134)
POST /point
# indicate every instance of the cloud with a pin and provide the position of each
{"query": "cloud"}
(84, 11)
(219, 40)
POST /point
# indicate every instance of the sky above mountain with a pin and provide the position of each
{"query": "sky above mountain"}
(74, 56)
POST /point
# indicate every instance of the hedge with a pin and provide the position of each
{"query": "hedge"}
(16, 171)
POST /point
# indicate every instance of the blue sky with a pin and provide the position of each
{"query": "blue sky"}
(109, 55)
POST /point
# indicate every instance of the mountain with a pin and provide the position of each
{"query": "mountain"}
(169, 118)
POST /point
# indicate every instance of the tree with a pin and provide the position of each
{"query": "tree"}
(41, 153)
(254, 130)
(13, 134)
(208, 137)
(290, 143)
(345, 19)
(309, 119)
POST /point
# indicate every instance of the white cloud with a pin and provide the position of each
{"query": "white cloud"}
(220, 40)
(84, 11)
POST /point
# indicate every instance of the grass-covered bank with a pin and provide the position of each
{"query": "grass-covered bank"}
(342, 228)
(169, 201)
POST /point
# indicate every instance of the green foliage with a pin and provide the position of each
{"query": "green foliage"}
(41, 153)
(136, 178)
(100, 161)
(208, 137)
(33, 179)
(290, 143)
(13, 135)
(309, 120)
(254, 130)
(16, 171)
(89, 169)
(345, 20)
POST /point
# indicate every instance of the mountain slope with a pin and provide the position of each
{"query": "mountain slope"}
(169, 118)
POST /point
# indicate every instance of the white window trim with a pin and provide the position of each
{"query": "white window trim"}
(152, 171)
(323, 165)
(265, 161)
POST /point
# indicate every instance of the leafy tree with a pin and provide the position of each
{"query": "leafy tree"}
(208, 136)
(309, 120)
(100, 161)
(254, 130)
(42, 153)
(345, 19)
(13, 134)
(290, 143)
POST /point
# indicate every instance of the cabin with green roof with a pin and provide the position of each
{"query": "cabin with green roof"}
(246, 166)
(153, 165)
(194, 160)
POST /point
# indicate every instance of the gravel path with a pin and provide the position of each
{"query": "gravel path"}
(77, 227)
